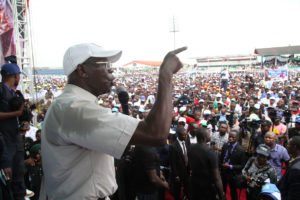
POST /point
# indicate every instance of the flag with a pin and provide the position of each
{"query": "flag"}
(7, 43)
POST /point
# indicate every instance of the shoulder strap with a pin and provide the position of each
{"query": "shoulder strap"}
(249, 165)
(2, 91)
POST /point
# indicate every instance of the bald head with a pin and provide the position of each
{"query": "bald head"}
(270, 139)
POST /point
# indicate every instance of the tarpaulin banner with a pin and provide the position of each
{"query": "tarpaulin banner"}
(7, 43)
(277, 73)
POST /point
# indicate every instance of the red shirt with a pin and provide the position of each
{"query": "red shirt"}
(190, 119)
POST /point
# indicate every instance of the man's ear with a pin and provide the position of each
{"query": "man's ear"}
(82, 71)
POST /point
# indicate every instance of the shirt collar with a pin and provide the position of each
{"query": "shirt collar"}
(180, 142)
(275, 148)
(234, 144)
(293, 160)
(82, 93)
(191, 136)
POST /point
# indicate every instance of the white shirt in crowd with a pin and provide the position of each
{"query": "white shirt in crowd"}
(181, 145)
(31, 133)
(224, 74)
(193, 140)
(79, 140)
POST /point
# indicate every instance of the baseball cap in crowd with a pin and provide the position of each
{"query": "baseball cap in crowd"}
(79, 53)
(273, 98)
(257, 106)
(270, 190)
(114, 110)
(201, 100)
(297, 120)
(203, 122)
(182, 109)
(142, 98)
(296, 102)
(181, 119)
(218, 95)
(207, 112)
(263, 149)
(11, 68)
(35, 149)
(172, 131)
(141, 110)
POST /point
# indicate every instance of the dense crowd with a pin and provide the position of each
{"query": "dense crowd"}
(232, 129)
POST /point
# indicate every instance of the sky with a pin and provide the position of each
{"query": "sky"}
(141, 29)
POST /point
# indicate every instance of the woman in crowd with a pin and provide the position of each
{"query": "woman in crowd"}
(257, 170)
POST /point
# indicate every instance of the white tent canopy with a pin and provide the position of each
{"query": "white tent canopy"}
(278, 50)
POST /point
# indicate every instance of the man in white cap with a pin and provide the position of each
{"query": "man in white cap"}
(80, 138)
(272, 102)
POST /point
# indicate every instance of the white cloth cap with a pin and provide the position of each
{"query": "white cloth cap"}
(79, 53)
(181, 119)
(219, 95)
(257, 106)
(206, 112)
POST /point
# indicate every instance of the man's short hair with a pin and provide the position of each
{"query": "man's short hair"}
(236, 132)
(192, 124)
(296, 141)
(201, 134)
(222, 122)
(266, 123)
(180, 129)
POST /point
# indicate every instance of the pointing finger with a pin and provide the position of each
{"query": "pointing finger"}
(176, 51)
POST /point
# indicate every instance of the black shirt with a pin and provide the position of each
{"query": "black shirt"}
(8, 127)
(258, 139)
(145, 159)
(202, 162)
(293, 132)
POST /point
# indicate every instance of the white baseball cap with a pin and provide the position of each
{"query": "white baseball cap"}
(206, 112)
(181, 119)
(79, 53)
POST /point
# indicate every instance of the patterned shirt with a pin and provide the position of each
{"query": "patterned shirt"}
(278, 155)
(219, 140)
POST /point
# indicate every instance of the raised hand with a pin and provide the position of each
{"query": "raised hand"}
(171, 63)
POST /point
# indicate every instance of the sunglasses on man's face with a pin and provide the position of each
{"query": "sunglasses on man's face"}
(107, 64)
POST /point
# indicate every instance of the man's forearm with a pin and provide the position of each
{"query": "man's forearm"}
(218, 182)
(155, 129)
(160, 116)
(6, 115)
(157, 181)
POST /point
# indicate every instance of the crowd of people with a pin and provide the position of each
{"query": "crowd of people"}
(228, 129)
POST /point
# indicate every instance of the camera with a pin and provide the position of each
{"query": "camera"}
(272, 113)
(260, 181)
(287, 115)
(229, 117)
(17, 101)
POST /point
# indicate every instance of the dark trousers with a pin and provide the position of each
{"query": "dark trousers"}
(227, 178)
(252, 193)
(224, 84)
(141, 196)
(176, 189)
(16, 154)
(202, 193)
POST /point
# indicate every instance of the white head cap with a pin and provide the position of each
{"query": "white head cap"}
(79, 53)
